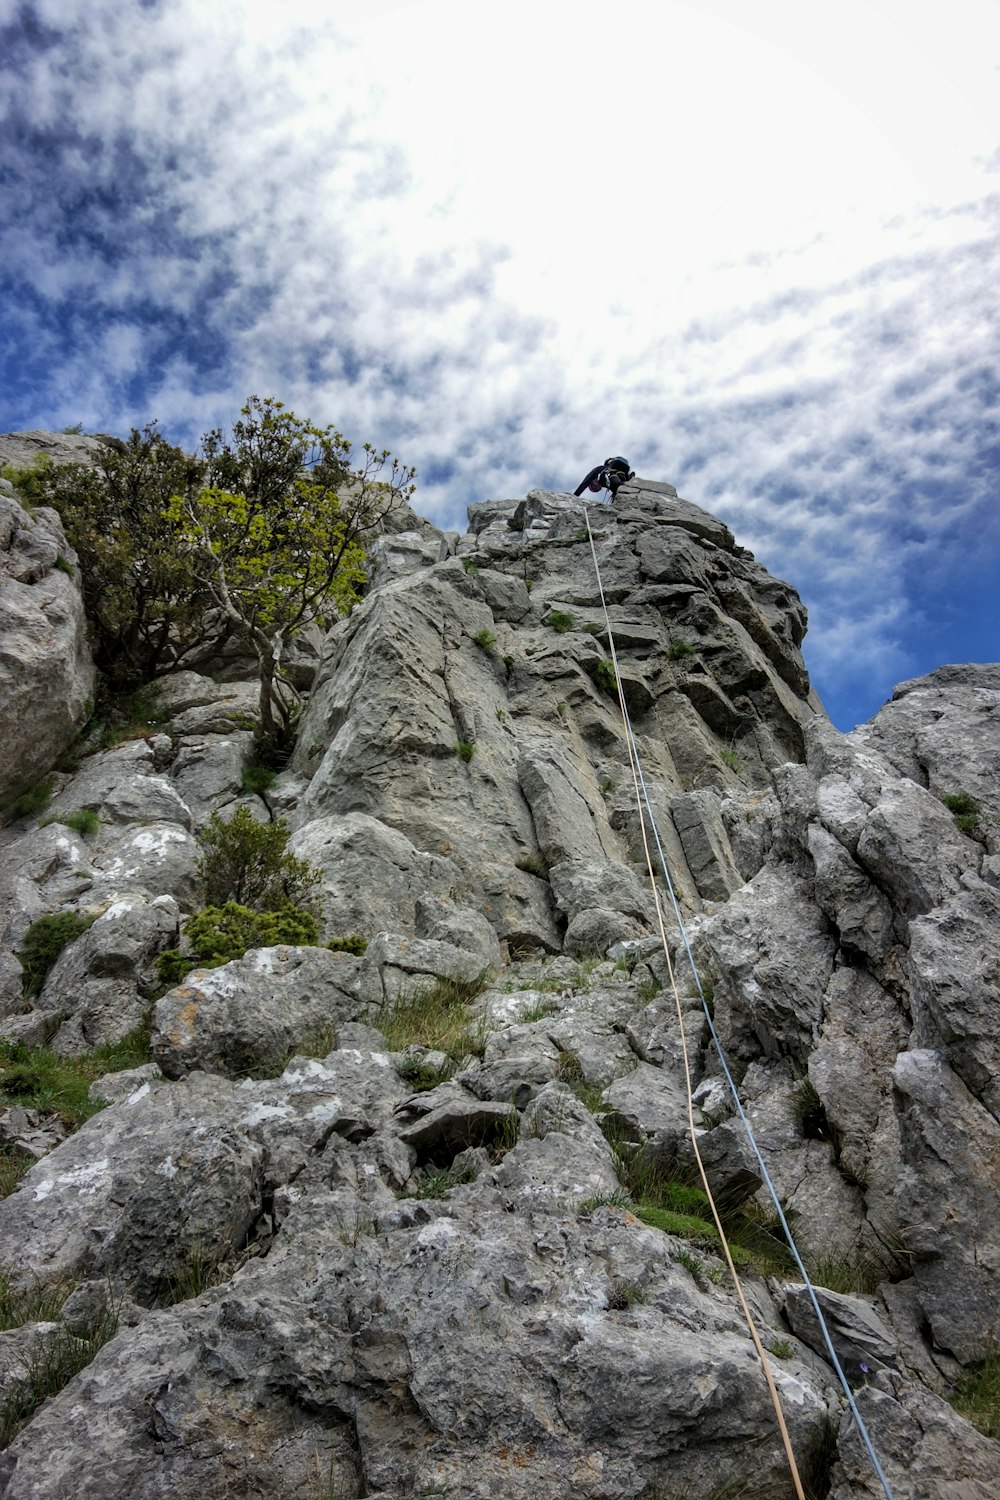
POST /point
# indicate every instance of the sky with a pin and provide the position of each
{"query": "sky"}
(755, 248)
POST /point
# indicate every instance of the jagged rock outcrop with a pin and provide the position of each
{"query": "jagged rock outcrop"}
(46, 671)
(429, 1274)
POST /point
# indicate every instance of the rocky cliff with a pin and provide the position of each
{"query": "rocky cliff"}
(347, 1259)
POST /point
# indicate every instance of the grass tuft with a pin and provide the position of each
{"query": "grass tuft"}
(976, 1396)
(37, 1078)
(465, 750)
(485, 640)
(437, 1017)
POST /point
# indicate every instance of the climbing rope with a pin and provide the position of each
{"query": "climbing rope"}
(643, 802)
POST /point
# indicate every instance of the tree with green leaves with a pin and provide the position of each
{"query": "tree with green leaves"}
(277, 537)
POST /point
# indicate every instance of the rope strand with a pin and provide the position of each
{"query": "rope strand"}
(643, 801)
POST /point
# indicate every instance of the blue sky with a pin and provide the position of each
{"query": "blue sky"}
(754, 248)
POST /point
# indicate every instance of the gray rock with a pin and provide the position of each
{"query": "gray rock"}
(373, 876)
(927, 1451)
(955, 987)
(46, 671)
(99, 988)
(949, 1225)
(251, 1013)
(697, 818)
(861, 1341)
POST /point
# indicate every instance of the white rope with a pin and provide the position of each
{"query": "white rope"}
(643, 798)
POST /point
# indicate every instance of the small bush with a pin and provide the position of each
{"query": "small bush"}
(485, 640)
(731, 759)
(43, 943)
(258, 779)
(608, 786)
(593, 629)
(465, 750)
(352, 943)
(606, 677)
(560, 620)
(677, 650)
(64, 565)
(218, 934)
(84, 821)
(469, 565)
(533, 864)
(247, 862)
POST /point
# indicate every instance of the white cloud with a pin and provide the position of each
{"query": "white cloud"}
(752, 247)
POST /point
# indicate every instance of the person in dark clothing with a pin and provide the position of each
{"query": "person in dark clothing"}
(607, 476)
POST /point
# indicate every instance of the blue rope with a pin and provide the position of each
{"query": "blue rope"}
(765, 1174)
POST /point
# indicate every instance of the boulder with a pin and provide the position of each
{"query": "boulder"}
(252, 1013)
(46, 671)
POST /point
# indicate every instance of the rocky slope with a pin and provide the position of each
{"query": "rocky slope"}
(448, 1291)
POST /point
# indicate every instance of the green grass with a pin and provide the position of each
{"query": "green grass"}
(12, 1169)
(731, 759)
(966, 811)
(84, 821)
(693, 1266)
(625, 1294)
(569, 1071)
(36, 1078)
(976, 1396)
(679, 649)
(533, 864)
(606, 677)
(29, 803)
(560, 620)
(856, 1274)
(47, 1367)
(465, 750)
(39, 1304)
(437, 1018)
(485, 640)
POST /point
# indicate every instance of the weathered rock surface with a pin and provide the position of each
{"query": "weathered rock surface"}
(46, 671)
(429, 1275)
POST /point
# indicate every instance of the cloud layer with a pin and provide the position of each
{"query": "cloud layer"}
(760, 261)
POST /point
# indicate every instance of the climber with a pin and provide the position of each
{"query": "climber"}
(608, 476)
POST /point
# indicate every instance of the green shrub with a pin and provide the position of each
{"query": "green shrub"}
(731, 759)
(560, 620)
(43, 943)
(533, 864)
(469, 565)
(593, 629)
(218, 934)
(606, 677)
(257, 779)
(352, 943)
(247, 862)
(485, 640)
(465, 750)
(64, 565)
(677, 650)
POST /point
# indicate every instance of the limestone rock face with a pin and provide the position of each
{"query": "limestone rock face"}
(423, 1261)
(46, 671)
